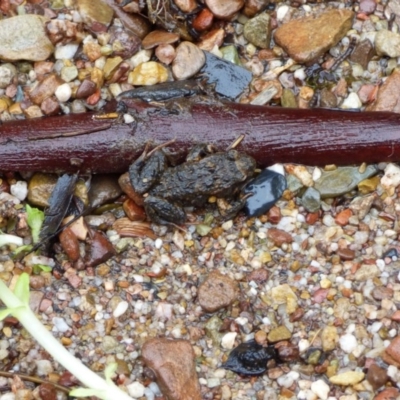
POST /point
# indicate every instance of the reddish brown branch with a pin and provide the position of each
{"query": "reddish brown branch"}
(314, 137)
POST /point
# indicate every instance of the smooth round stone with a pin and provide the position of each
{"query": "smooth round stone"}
(267, 189)
(311, 200)
(341, 180)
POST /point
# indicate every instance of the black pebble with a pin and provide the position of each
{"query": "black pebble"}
(391, 253)
(267, 189)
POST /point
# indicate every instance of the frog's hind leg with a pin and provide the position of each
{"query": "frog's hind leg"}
(163, 212)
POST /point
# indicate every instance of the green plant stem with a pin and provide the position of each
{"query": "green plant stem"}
(31, 323)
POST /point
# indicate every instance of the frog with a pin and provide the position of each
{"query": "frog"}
(205, 173)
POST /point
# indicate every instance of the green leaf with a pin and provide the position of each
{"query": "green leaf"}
(35, 218)
(83, 392)
(22, 288)
(21, 249)
(37, 268)
(11, 311)
(4, 313)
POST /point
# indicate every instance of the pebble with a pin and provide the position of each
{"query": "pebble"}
(172, 362)
(148, 73)
(393, 350)
(224, 9)
(228, 340)
(95, 12)
(351, 102)
(104, 188)
(278, 334)
(44, 89)
(40, 188)
(387, 98)
(341, 180)
(7, 74)
(387, 43)
(189, 59)
(301, 173)
(63, 92)
(348, 378)
(60, 325)
(320, 388)
(279, 237)
(267, 189)
(120, 309)
(66, 52)
(363, 53)
(20, 190)
(311, 200)
(136, 390)
(216, 292)
(329, 338)
(391, 178)
(69, 243)
(360, 206)
(23, 37)
(257, 30)
(101, 249)
(283, 294)
(314, 35)
(377, 376)
(348, 342)
(157, 38)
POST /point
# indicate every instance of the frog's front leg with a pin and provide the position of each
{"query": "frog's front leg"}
(146, 171)
(163, 212)
(230, 208)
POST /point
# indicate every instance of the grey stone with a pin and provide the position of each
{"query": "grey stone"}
(387, 43)
(311, 200)
(342, 180)
(24, 38)
(258, 30)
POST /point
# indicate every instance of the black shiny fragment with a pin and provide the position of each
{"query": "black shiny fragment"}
(230, 80)
(164, 91)
(59, 203)
(267, 189)
(250, 358)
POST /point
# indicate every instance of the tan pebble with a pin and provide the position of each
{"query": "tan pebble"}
(66, 341)
(186, 6)
(188, 61)
(279, 333)
(279, 237)
(329, 338)
(111, 65)
(260, 337)
(45, 89)
(33, 112)
(348, 378)
(165, 53)
(158, 37)
(92, 50)
(212, 39)
(148, 73)
(393, 350)
(224, 9)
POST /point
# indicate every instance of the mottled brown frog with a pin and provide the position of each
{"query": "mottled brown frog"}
(205, 173)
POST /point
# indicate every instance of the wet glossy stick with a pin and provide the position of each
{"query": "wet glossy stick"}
(314, 137)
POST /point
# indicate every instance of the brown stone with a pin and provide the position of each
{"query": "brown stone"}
(377, 376)
(172, 362)
(346, 254)
(203, 20)
(100, 250)
(50, 106)
(388, 394)
(155, 38)
(126, 187)
(363, 53)
(306, 39)
(393, 350)
(165, 53)
(312, 218)
(85, 89)
(382, 292)
(388, 98)
(95, 12)
(279, 237)
(211, 39)
(45, 88)
(252, 7)
(258, 275)
(274, 215)
(216, 292)
(343, 217)
(70, 244)
(133, 211)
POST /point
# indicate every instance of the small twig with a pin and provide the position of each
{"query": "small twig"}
(34, 379)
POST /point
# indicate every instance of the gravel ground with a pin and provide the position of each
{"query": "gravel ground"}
(325, 281)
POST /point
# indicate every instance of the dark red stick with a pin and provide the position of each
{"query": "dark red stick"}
(313, 137)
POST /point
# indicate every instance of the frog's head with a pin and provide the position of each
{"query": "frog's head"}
(244, 163)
